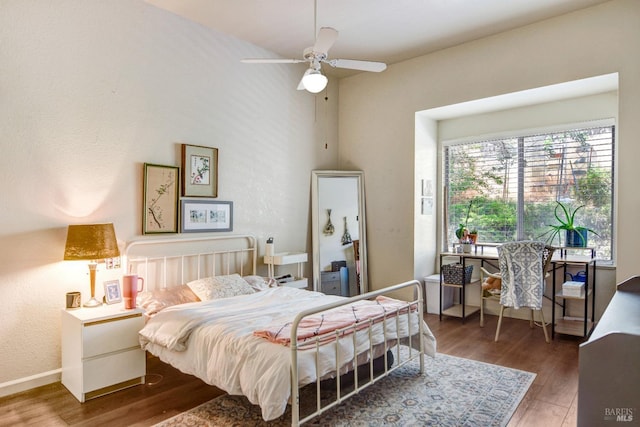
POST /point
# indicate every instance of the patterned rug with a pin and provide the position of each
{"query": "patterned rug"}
(453, 392)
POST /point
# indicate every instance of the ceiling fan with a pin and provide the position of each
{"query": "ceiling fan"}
(313, 80)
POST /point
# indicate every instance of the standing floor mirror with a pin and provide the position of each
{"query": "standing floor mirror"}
(339, 232)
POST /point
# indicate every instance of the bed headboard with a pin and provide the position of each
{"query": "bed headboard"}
(167, 262)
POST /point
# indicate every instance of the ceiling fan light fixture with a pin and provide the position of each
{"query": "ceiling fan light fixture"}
(314, 81)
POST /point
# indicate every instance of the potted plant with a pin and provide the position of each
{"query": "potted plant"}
(466, 245)
(473, 235)
(462, 231)
(575, 235)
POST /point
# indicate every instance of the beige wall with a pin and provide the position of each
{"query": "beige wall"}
(592, 42)
(91, 90)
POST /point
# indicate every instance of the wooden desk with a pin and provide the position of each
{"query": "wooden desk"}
(560, 261)
(463, 310)
(477, 246)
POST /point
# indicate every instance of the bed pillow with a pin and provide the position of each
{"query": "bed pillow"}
(259, 283)
(159, 299)
(218, 287)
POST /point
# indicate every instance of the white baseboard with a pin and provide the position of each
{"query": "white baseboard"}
(27, 383)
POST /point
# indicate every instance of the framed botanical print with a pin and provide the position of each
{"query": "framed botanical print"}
(201, 215)
(199, 171)
(160, 208)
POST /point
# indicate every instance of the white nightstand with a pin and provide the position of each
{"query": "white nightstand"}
(286, 258)
(100, 350)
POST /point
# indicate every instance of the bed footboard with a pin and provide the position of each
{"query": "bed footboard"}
(381, 351)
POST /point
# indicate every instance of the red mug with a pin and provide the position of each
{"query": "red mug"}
(131, 285)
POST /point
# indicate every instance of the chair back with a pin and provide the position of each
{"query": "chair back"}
(522, 268)
(546, 257)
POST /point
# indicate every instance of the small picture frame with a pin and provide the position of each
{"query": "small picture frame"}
(199, 171)
(112, 293)
(160, 208)
(200, 215)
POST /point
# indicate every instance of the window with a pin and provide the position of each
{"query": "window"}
(507, 188)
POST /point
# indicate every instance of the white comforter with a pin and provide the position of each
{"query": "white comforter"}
(214, 340)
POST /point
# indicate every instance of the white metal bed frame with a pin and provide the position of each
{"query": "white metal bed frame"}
(205, 251)
(372, 379)
(205, 254)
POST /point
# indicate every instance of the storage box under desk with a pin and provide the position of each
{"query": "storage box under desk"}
(573, 289)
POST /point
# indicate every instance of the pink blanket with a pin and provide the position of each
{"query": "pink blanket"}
(346, 319)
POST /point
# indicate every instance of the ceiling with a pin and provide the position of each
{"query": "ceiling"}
(388, 31)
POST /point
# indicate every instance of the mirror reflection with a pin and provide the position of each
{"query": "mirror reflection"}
(339, 240)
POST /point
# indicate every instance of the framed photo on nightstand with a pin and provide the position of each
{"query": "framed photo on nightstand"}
(112, 293)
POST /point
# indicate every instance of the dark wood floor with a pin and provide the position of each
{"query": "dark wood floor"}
(551, 400)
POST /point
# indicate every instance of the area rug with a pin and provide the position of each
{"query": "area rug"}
(453, 392)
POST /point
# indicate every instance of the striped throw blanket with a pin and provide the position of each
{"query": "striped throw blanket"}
(329, 325)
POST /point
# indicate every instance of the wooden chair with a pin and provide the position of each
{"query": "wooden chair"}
(527, 280)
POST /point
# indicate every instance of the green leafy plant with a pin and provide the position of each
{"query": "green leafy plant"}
(566, 220)
(461, 231)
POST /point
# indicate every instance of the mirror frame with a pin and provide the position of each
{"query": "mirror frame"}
(315, 224)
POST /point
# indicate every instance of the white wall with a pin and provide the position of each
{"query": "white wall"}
(532, 118)
(91, 90)
(378, 110)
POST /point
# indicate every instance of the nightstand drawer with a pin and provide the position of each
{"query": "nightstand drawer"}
(111, 335)
(331, 288)
(330, 282)
(113, 369)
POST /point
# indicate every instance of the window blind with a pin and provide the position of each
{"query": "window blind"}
(507, 188)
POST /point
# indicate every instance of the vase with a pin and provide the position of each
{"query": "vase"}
(577, 238)
(466, 248)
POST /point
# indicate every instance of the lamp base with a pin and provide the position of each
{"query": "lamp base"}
(92, 303)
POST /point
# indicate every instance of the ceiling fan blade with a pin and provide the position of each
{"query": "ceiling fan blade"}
(353, 64)
(271, 61)
(326, 38)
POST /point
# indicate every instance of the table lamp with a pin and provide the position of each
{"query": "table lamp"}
(92, 242)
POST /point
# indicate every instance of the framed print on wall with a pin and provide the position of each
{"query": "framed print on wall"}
(112, 292)
(199, 215)
(160, 208)
(199, 171)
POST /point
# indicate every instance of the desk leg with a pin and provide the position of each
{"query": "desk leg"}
(553, 300)
(440, 288)
(593, 293)
(462, 290)
(586, 300)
